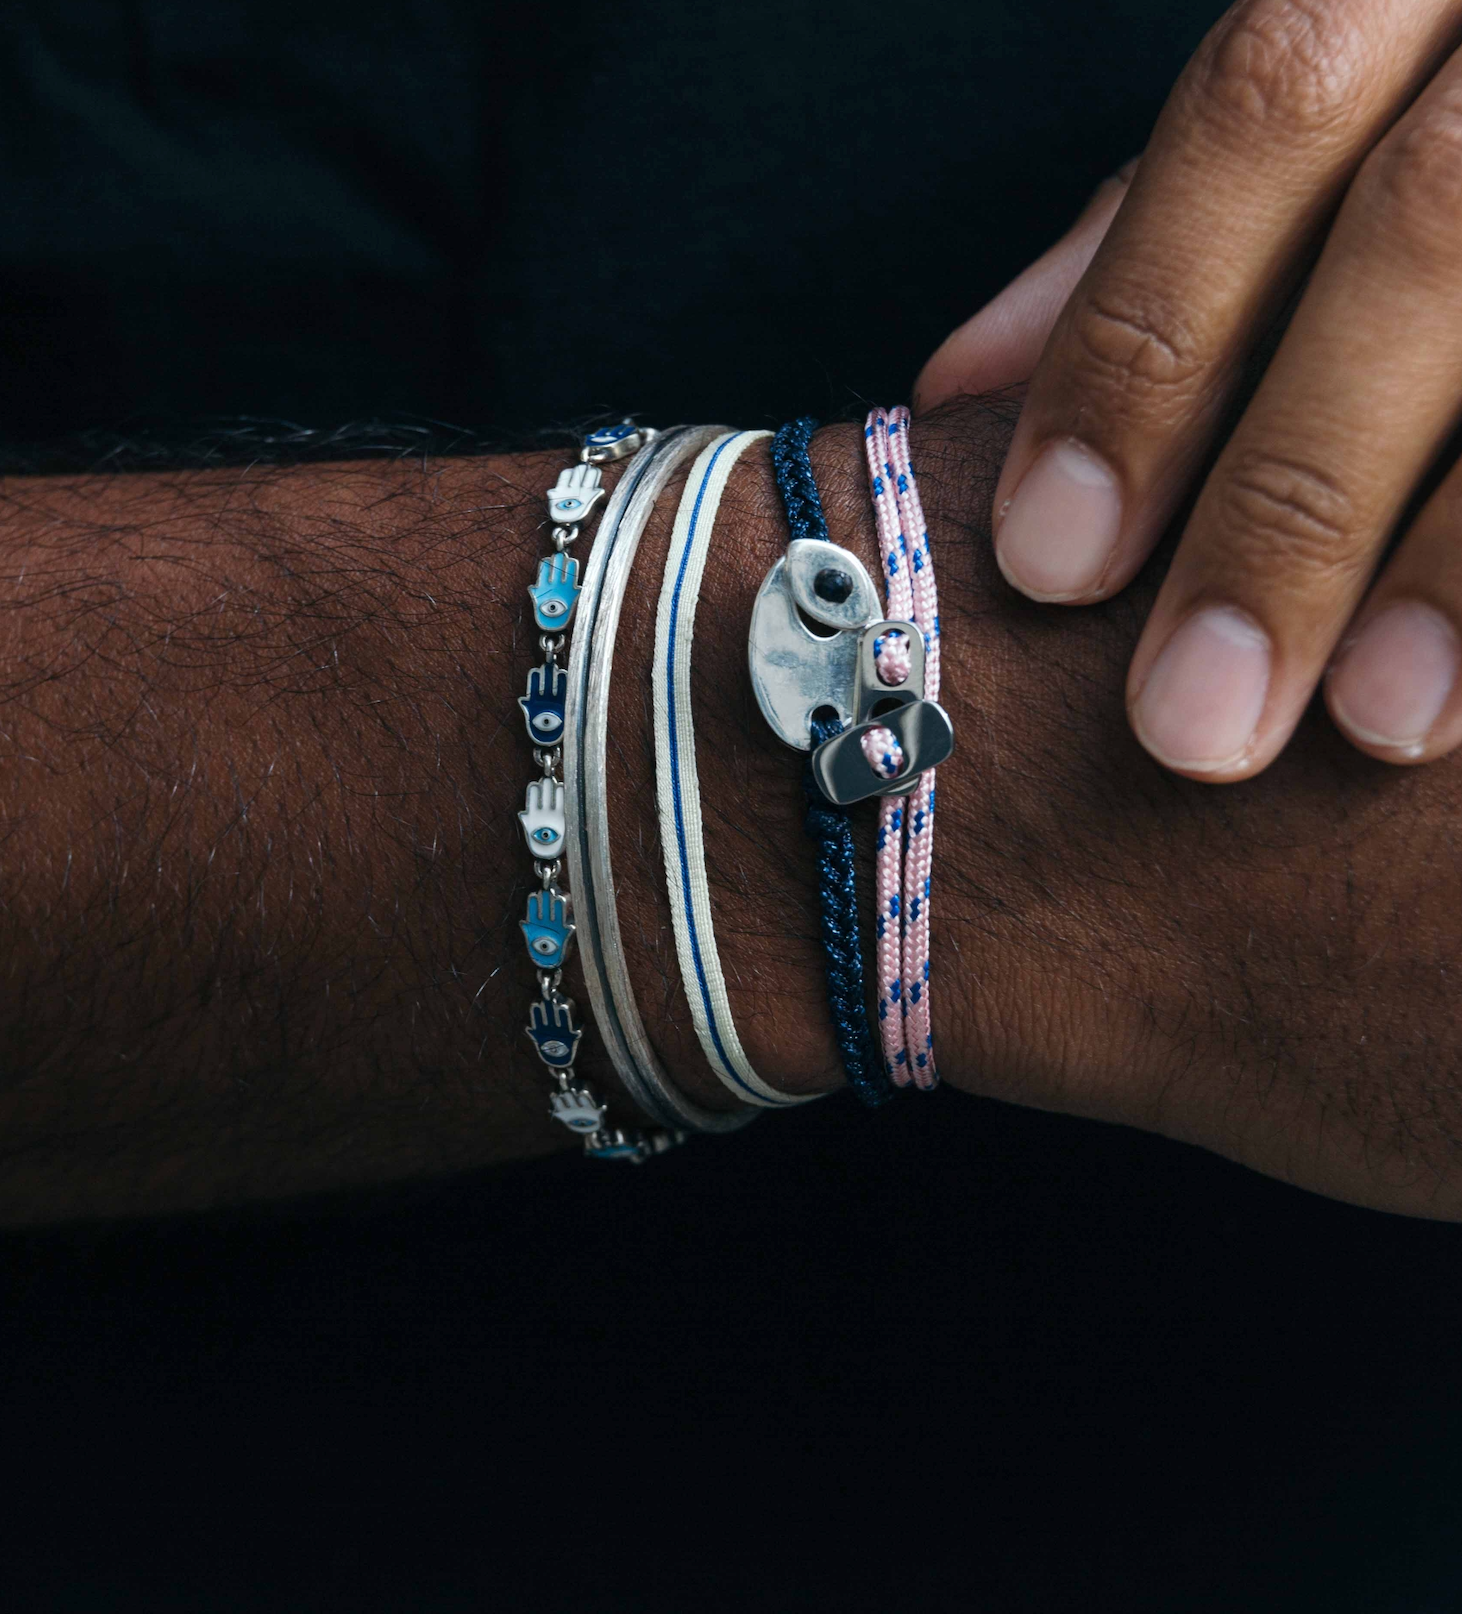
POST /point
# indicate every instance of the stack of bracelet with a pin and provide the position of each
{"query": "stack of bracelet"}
(547, 928)
(858, 697)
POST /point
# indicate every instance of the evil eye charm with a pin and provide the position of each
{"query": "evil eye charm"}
(574, 495)
(543, 704)
(552, 1029)
(555, 593)
(542, 818)
(577, 1109)
(615, 442)
(547, 929)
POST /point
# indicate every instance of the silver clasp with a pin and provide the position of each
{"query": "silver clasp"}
(794, 670)
(797, 671)
(844, 775)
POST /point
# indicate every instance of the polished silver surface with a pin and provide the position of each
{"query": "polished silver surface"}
(586, 731)
(872, 692)
(616, 442)
(794, 671)
(842, 772)
(807, 559)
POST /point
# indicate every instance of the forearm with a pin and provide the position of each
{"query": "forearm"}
(260, 869)
(261, 872)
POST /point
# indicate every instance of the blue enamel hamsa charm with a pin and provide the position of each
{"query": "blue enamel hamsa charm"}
(553, 1031)
(556, 592)
(615, 442)
(543, 704)
(547, 929)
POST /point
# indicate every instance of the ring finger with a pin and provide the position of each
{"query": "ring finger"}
(1394, 689)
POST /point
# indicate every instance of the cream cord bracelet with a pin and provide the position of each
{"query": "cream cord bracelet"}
(677, 780)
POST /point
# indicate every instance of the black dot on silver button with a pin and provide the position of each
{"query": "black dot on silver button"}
(832, 585)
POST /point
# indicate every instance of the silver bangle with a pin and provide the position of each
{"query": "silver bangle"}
(586, 730)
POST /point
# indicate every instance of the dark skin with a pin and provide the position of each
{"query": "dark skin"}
(261, 874)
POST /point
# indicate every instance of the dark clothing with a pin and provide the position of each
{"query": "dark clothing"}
(507, 217)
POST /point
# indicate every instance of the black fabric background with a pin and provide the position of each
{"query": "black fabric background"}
(952, 1356)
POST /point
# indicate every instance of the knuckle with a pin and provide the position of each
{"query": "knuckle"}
(1278, 67)
(1285, 516)
(1411, 185)
(1130, 339)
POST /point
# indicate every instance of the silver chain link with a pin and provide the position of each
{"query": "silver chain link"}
(555, 1032)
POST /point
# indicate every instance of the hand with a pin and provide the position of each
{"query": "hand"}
(555, 593)
(574, 495)
(542, 818)
(547, 929)
(551, 1026)
(1267, 972)
(1300, 133)
(543, 704)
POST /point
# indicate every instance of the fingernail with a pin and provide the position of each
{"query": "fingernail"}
(1205, 693)
(1395, 677)
(1058, 532)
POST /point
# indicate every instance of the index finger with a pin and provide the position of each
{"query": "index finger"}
(1249, 159)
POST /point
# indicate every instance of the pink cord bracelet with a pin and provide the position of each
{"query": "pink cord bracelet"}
(906, 822)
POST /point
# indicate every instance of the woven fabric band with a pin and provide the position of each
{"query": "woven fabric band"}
(677, 778)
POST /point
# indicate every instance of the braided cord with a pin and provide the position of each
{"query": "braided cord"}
(889, 863)
(795, 482)
(906, 826)
(919, 823)
(827, 826)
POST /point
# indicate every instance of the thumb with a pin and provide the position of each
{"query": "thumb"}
(1001, 344)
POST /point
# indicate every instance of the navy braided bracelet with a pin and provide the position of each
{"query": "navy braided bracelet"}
(826, 825)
